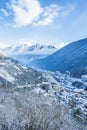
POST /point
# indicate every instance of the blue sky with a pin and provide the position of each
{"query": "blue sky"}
(42, 21)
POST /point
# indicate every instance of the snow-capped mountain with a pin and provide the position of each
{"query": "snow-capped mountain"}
(31, 49)
(72, 57)
(26, 53)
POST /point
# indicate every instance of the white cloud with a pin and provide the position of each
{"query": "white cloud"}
(4, 12)
(27, 12)
(27, 42)
(48, 15)
(60, 45)
(3, 45)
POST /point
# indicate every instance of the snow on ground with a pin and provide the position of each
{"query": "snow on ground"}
(4, 74)
(51, 103)
(22, 110)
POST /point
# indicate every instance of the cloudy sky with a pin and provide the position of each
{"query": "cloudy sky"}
(42, 21)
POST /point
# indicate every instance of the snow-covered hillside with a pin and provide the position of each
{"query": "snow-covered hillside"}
(2, 54)
(14, 74)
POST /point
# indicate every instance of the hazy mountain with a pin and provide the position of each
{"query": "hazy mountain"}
(72, 57)
(26, 53)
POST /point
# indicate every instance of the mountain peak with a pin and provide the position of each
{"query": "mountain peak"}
(30, 48)
(51, 47)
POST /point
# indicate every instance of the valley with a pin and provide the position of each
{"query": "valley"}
(27, 94)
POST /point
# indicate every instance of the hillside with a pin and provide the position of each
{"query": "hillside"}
(14, 74)
(72, 57)
(34, 100)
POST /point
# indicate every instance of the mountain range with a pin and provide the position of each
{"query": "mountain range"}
(26, 53)
(72, 58)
